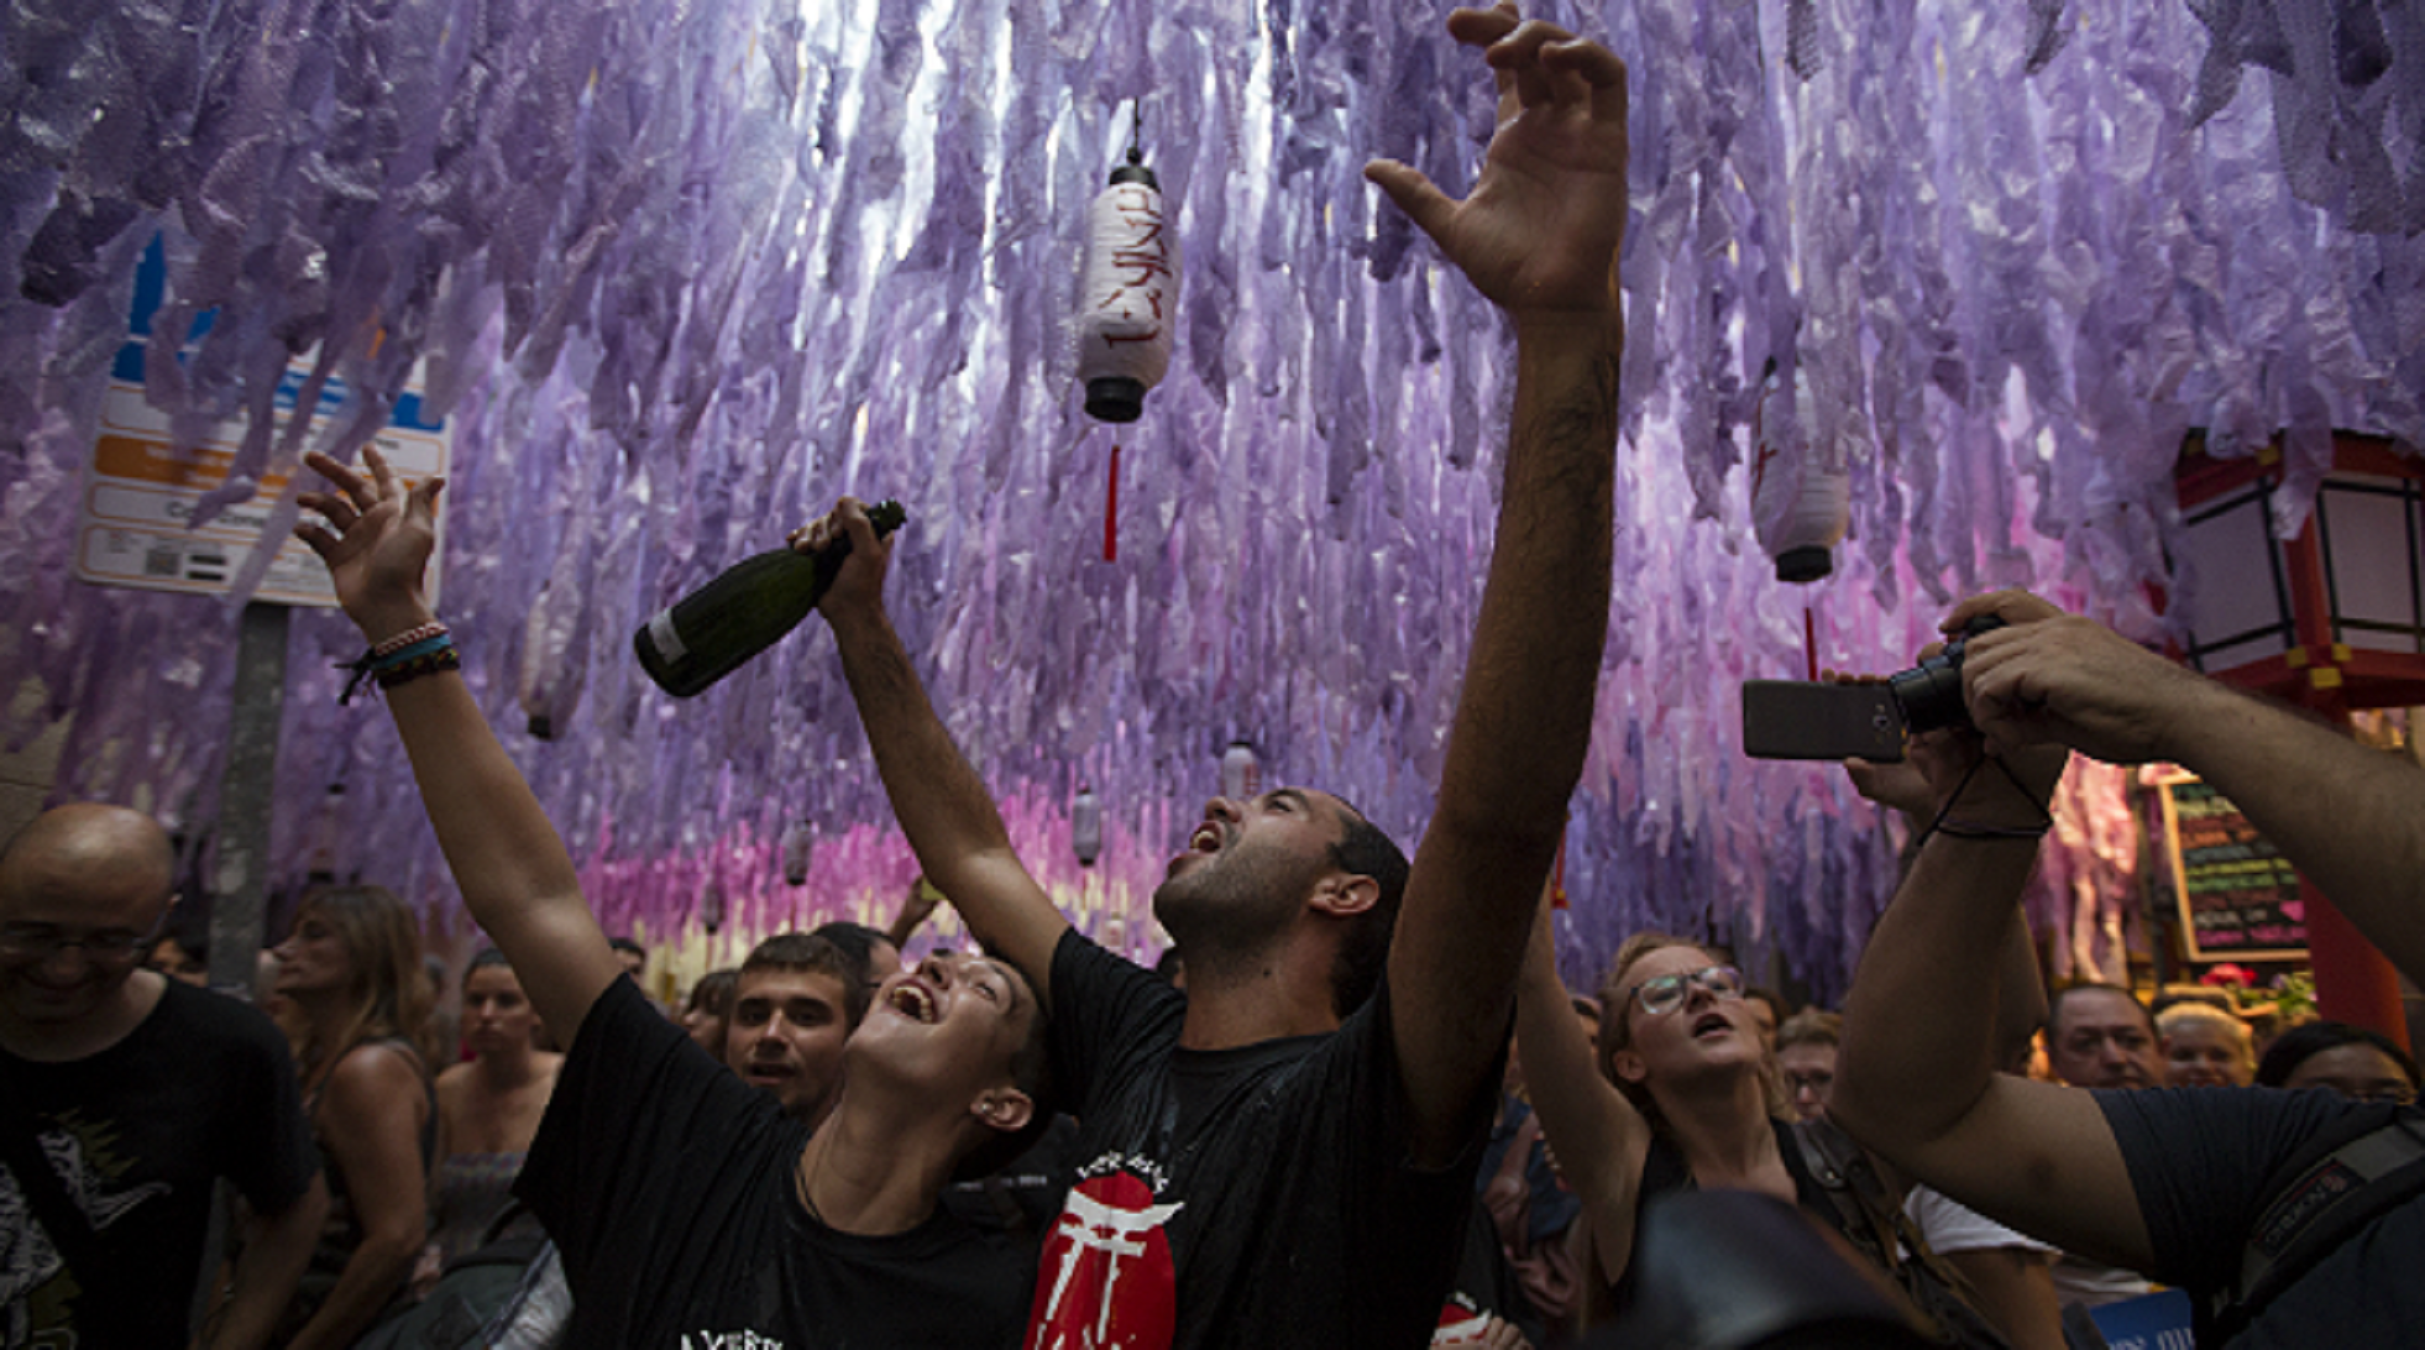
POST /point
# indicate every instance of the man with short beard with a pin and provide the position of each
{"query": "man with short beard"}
(1284, 1155)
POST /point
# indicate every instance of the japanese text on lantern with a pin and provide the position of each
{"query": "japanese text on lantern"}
(1141, 264)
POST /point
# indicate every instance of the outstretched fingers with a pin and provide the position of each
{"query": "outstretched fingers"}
(382, 473)
(332, 505)
(422, 503)
(1602, 75)
(1423, 203)
(316, 537)
(356, 489)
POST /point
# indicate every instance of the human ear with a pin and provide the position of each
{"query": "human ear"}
(1344, 894)
(1629, 1066)
(1004, 1108)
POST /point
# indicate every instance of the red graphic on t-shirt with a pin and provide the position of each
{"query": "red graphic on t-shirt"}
(1461, 1324)
(1106, 1281)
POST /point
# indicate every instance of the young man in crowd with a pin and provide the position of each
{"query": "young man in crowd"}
(688, 1207)
(123, 1096)
(2175, 1182)
(1284, 1155)
(798, 1000)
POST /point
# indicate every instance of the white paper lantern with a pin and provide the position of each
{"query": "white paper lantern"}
(1800, 503)
(1086, 827)
(1130, 295)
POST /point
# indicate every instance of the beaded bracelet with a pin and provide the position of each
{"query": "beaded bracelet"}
(407, 638)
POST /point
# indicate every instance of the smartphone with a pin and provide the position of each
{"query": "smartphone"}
(1803, 719)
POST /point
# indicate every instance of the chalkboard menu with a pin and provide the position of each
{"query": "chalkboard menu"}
(2239, 896)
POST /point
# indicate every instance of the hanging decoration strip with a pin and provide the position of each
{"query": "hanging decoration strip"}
(679, 274)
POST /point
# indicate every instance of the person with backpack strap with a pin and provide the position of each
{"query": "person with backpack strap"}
(2181, 1183)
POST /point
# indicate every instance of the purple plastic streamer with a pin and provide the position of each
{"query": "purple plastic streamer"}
(679, 274)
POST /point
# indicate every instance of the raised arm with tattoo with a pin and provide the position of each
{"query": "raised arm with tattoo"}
(1539, 234)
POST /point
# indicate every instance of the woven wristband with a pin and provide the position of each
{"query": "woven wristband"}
(427, 663)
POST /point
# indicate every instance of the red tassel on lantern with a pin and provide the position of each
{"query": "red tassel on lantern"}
(1111, 508)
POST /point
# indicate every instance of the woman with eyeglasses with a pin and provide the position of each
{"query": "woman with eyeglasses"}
(357, 1001)
(1681, 1094)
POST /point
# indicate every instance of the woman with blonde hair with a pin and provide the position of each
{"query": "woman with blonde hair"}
(357, 1001)
(2204, 1046)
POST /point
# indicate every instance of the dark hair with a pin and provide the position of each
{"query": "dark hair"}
(1169, 964)
(1365, 851)
(2054, 1005)
(2302, 1043)
(1774, 1000)
(713, 994)
(808, 952)
(482, 960)
(624, 944)
(857, 943)
(1031, 1073)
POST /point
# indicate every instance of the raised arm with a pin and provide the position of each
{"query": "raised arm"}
(516, 878)
(944, 808)
(1904, 787)
(2352, 819)
(1917, 1080)
(1600, 1139)
(1539, 235)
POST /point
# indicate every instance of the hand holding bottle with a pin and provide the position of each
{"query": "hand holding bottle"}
(379, 547)
(858, 586)
(706, 635)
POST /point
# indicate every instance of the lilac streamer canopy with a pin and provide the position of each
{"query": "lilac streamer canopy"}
(680, 273)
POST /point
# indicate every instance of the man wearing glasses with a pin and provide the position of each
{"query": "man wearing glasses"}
(123, 1096)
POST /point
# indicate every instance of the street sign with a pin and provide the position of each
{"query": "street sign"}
(134, 525)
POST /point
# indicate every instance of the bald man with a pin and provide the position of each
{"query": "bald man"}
(123, 1097)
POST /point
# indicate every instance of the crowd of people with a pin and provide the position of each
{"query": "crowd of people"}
(1364, 1110)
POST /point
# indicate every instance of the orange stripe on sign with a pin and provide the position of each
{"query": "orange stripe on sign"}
(143, 461)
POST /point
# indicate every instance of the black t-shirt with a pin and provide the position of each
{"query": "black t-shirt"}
(2199, 1159)
(668, 1185)
(203, 1087)
(1253, 1196)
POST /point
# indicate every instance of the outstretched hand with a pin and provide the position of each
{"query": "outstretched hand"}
(377, 542)
(1540, 231)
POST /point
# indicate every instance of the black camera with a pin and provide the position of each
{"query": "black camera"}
(1802, 719)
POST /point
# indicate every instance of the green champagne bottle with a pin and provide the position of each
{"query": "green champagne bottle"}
(707, 634)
